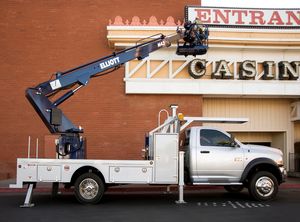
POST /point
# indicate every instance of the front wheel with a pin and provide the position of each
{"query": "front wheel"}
(89, 188)
(263, 186)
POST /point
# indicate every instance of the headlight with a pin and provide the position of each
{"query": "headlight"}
(279, 162)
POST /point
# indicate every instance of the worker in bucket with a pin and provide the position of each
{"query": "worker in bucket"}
(198, 28)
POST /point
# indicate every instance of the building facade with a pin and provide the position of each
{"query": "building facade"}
(39, 38)
(251, 70)
(241, 76)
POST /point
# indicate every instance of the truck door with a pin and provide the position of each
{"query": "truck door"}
(218, 159)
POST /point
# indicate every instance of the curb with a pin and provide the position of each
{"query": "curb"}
(128, 189)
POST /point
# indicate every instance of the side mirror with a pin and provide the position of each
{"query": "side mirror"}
(233, 143)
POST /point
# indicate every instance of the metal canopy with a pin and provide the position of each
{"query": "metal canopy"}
(189, 120)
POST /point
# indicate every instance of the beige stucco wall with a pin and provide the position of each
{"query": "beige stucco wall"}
(265, 115)
(269, 120)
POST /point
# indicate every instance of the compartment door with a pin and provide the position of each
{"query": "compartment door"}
(166, 158)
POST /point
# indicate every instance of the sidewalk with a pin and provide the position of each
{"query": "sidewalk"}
(291, 183)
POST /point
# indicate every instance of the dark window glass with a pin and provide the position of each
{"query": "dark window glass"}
(187, 137)
(210, 137)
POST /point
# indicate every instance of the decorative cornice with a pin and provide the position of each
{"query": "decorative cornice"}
(136, 21)
(123, 33)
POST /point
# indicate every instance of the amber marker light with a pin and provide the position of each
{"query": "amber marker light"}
(180, 116)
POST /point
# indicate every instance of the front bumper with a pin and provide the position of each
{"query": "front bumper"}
(283, 174)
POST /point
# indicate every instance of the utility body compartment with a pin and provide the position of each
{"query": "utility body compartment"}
(166, 158)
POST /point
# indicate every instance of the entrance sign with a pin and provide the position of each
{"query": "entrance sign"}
(245, 17)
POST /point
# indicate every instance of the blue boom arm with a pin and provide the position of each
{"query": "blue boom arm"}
(70, 144)
(48, 110)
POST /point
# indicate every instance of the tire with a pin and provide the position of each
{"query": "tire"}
(263, 186)
(234, 188)
(89, 188)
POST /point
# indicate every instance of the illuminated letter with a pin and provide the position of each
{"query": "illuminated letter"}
(222, 71)
(239, 16)
(247, 70)
(275, 19)
(257, 15)
(203, 15)
(288, 71)
(197, 68)
(268, 70)
(295, 17)
(219, 15)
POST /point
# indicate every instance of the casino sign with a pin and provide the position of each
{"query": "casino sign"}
(247, 69)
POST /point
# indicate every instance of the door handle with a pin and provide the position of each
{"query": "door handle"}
(204, 151)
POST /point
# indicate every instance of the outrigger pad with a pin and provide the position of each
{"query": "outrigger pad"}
(191, 50)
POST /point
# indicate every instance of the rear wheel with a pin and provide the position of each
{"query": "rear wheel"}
(89, 188)
(263, 186)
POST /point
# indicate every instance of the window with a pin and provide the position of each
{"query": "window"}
(187, 137)
(210, 137)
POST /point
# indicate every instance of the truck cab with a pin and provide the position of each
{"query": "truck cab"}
(215, 157)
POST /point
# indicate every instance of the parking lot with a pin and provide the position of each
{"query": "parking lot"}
(202, 205)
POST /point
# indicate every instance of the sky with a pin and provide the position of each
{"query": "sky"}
(253, 3)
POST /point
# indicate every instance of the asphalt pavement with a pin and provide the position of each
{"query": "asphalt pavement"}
(202, 205)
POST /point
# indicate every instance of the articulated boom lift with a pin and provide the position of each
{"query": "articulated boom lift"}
(70, 143)
(232, 164)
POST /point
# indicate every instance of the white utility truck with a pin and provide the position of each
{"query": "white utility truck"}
(213, 156)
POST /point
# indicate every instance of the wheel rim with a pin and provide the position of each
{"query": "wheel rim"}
(88, 188)
(264, 186)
